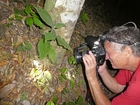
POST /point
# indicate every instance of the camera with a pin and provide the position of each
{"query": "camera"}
(93, 44)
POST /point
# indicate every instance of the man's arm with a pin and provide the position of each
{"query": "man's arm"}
(90, 69)
(110, 81)
(97, 94)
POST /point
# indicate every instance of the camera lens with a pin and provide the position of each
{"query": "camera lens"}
(79, 56)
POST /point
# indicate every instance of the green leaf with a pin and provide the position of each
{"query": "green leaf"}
(50, 35)
(37, 22)
(63, 70)
(55, 99)
(84, 18)
(49, 4)
(29, 21)
(23, 96)
(18, 17)
(72, 83)
(8, 24)
(17, 11)
(20, 48)
(64, 103)
(79, 100)
(27, 46)
(71, 103)
(59, 25)
(72, 60)
(64, 91)
(45, 16)
(28, 9)
(63, 76)
(52, 54)
(24, 46)
(50, 103)
(63, 43)
(43, 48)
(34, 15)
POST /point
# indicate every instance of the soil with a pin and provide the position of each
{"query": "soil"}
(17, 87)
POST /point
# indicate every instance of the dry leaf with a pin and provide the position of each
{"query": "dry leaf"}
(59, 89)
(2, 63)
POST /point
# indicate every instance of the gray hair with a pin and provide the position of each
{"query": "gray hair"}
(116, 46)
(125, 36)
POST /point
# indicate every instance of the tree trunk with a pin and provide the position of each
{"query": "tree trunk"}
(67, 12)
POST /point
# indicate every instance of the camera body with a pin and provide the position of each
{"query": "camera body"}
(93, 44)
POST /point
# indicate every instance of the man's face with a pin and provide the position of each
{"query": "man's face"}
(116, 58)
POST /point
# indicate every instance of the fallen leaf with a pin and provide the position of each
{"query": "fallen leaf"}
(2, 63)
(59, 89)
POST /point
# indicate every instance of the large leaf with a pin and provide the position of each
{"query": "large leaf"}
(63, 43)
(50, 35)
(52, 54)
(45, 16)
(43, 48)
(49, 4)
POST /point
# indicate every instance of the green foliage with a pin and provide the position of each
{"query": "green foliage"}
(63, 74)
(45, 16)
(28, 9)
(64, 91)
(72, 60)
(37, 22)
(40, 17)
(84, 18)
(29, 21)
(23, 96)
(59, 25)
(8, 24)
(49, 4)
(19, 12)
(50, 35)
(55, 99)
(62, 42)
(44, 43)
(24, 46)
(72, 83)
(78, 101)
(50, 103)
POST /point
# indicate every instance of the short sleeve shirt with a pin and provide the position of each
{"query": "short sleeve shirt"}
(131, 96)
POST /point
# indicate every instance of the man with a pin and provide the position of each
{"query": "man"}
(122, 45)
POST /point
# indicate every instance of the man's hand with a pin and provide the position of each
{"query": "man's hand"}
(102, 68)
(90, 64)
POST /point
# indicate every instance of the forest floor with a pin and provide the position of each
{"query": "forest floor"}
(16, 86)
